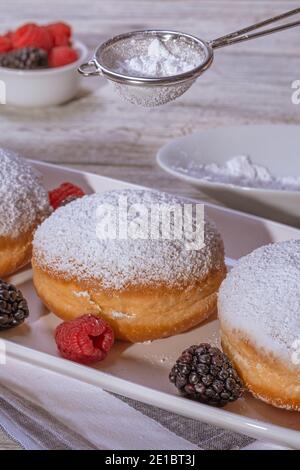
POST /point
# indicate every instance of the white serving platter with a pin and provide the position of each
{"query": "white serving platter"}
(274, 146)
(140, 371)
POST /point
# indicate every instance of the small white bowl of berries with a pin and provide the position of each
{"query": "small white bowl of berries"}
(38, 65)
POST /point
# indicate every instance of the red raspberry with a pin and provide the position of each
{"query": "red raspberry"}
(60, 27)
(5, 44)
(60, 32)
(62, 55)
(8, 35)
(65, 192)
(86, 339)
(22, 30)
(31, 35)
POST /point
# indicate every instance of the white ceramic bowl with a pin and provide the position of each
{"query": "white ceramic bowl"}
(38, 88)
(276, 147)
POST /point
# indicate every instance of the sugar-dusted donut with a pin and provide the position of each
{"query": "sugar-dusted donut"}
(145, 288)
(23, 205)
(259, 311)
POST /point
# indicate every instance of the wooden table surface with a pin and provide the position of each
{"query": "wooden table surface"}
(248, 83)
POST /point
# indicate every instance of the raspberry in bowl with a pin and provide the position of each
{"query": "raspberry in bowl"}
(38, 65)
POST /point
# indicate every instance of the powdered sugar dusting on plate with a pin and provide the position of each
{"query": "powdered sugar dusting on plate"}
(240, 171)
(23, 199)
(67, 243)
(261, 297)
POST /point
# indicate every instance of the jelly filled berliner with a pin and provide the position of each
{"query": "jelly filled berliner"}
(23, 205)
(259, 311)
(146, 286)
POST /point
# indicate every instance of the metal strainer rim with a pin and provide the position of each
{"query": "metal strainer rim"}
(154, 81)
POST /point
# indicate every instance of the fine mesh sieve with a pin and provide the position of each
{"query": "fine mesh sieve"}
(149, 91)
(153, 91)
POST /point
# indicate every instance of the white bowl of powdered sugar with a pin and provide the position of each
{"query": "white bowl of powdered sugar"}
(254, 169)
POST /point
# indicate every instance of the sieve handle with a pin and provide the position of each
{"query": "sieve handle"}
(89, 69)
(242, 34)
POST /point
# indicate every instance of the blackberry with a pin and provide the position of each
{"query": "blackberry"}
(206, 374)
(25, 59)
(13, 306)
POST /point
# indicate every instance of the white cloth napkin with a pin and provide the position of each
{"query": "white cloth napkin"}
(45, 410)
(95, 418)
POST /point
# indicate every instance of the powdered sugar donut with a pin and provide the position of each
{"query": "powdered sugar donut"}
(23, 205)
(145, 288)
(259, 311)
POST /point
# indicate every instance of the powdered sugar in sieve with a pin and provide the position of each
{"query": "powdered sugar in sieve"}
(152, 59)
(150, 68)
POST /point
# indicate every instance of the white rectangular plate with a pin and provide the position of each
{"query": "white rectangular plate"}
(140, 371)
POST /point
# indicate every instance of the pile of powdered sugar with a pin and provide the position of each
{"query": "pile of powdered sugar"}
(23, 199)
(159, 61)
(68, 244)
(241, 171)
(261, 298)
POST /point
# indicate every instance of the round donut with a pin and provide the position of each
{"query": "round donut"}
(23, 205)
(259, 312)
(145, 288)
